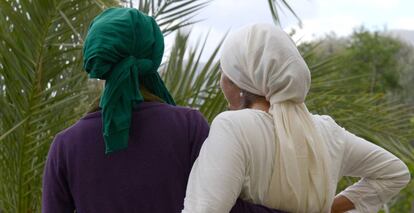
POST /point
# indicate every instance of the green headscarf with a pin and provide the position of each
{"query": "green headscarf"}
(125, 48)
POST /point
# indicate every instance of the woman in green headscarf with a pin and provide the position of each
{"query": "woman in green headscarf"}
(125, 48)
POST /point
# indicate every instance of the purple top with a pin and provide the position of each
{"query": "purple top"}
(149, 176)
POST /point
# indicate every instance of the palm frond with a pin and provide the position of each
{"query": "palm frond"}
(173, 14)
(40, 61)
(192, 82)
(277, 6)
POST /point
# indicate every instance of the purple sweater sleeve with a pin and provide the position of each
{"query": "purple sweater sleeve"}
(198, 133)
(56, 196)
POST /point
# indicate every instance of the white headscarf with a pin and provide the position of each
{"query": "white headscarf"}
(263, 59)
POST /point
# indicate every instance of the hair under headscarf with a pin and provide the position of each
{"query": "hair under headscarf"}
(262, 59)
(124, 47)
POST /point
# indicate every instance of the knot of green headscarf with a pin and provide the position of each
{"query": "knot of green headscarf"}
(125, 48)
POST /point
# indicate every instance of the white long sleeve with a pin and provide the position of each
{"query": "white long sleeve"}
(382, 174)
(217, 175)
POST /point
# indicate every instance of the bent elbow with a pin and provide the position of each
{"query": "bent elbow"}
(407, 177)
(403, 177)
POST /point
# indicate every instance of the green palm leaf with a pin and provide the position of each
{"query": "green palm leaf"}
(41, 88)
(277, 6)
(172, 15)
(192, 82)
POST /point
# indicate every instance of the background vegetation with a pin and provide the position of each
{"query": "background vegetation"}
(363, 81)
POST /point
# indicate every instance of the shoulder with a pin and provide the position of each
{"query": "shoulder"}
(333, 132)
(192, 116)
(90, 123)
(237, 116)
(66, 138)
(322, 118)
(57, 146)
(326, 122)
(168, 110)
(240, 123)
(178, 109)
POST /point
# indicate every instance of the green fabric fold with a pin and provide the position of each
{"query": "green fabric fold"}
(124, 47)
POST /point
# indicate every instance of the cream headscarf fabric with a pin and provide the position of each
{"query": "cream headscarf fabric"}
(262, 59)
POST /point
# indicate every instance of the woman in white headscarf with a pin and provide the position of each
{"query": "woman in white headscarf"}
(270, 150)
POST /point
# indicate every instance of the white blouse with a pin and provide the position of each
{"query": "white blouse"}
(236, 160)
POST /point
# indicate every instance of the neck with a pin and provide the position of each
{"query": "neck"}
(261, 105)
